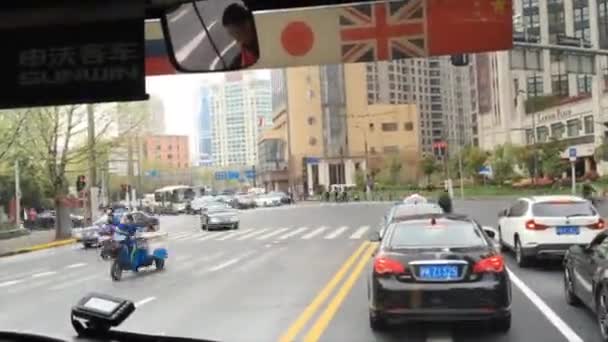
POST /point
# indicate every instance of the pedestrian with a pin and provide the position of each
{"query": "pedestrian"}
(445, 201)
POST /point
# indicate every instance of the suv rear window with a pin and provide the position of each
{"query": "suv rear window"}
(423, 234)
(561, 209)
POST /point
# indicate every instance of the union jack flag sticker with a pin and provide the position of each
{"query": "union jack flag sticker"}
(384, 30)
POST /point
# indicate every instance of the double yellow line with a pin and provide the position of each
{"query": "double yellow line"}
(362, 255)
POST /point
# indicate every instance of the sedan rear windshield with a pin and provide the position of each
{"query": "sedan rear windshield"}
(561, 209)
(439, 235)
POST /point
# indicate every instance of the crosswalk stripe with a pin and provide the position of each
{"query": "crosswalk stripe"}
(271, 234)
(178, 235)
(189, 236)
(359, 232)
(233, 234)
(336, 232)
(254, 233)
(211, 235)
(314, 233)
(290, 234)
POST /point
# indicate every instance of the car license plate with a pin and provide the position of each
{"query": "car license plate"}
(439, 272)
(567, 230)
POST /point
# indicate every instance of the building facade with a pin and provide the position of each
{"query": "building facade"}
(446, 96)
(238, 110)
(527, 96)
(169, 150)
(205, 129)
(324, 131)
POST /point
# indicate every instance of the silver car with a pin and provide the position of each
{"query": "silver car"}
(219, 215)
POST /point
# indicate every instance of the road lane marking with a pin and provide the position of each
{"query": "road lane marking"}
(336, 232)
(233, 234)
(224, 264)
(43, 274)
(359, 232)
(254, 233)
(74, 282)
(314, 233)
(178, 235)
(290, 234)
(563, 328)
(314, 305)
(323, 320)
(185, 51)
(439, 336)
(271, 234)
(189, 236)
(144, 301)
(10, 282)
(80, 264)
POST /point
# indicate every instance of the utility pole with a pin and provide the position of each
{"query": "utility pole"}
(129, 168)
(460, 171)
(92, 181)
(17, 195)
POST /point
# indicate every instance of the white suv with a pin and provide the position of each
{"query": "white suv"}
(546, 226)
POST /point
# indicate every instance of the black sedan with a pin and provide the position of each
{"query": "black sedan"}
(438, 268)
(217, 215)
(586, 278)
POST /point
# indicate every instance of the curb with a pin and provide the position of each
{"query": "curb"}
(40, 247)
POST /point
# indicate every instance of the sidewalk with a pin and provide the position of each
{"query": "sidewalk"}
(32, 239)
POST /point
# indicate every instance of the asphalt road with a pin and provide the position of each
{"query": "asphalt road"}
(192, 47)
(287, 272)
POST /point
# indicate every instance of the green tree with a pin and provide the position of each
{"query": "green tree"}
(429, 166)
(524, 157)
(550, 152)
(502, 162)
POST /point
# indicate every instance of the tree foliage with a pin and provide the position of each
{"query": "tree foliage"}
(502, 161)
(550, 153)
(429, 166)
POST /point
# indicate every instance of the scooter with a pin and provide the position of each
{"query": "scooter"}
(133, 254)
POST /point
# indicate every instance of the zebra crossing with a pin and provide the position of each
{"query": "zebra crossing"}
(274, 233)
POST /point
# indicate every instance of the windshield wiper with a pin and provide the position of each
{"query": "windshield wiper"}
(576, 215)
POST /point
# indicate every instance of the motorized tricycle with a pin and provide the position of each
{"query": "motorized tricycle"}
(134, 253)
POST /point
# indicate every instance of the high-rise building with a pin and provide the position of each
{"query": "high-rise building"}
(205, 129)
(530, 95)
(325, 132)
(446, 96)
(239, 109)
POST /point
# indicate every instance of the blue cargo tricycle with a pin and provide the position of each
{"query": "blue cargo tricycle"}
(134, 253)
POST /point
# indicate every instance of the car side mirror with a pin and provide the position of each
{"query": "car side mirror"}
(375, 236)
(490, 232)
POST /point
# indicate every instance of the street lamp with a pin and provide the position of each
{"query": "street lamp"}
(535, 152)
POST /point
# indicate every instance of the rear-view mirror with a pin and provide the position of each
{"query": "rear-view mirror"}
(375, 236)
(222, 35)
(212, 35)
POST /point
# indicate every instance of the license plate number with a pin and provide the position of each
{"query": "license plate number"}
(567, 230)
(439, 272)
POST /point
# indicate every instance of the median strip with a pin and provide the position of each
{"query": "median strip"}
(39, 247)
(322, 322)
(312, 308)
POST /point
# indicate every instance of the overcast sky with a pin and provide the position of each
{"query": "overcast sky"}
(181, 97)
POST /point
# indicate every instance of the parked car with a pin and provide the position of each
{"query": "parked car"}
(285, 199)
(547, 226)
(243, 201)
(268, 200)
(217, 215)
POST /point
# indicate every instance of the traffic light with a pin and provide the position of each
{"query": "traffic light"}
(80, 183)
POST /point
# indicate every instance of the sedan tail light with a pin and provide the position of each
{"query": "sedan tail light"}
(385, 266)
(495, 264)
(600, 224)
(532, 225)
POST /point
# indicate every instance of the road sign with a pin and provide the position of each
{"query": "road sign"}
(233, 175)
(250, 174)
(572, 154)
(220, 175)
(312, 160)
(152, 173)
